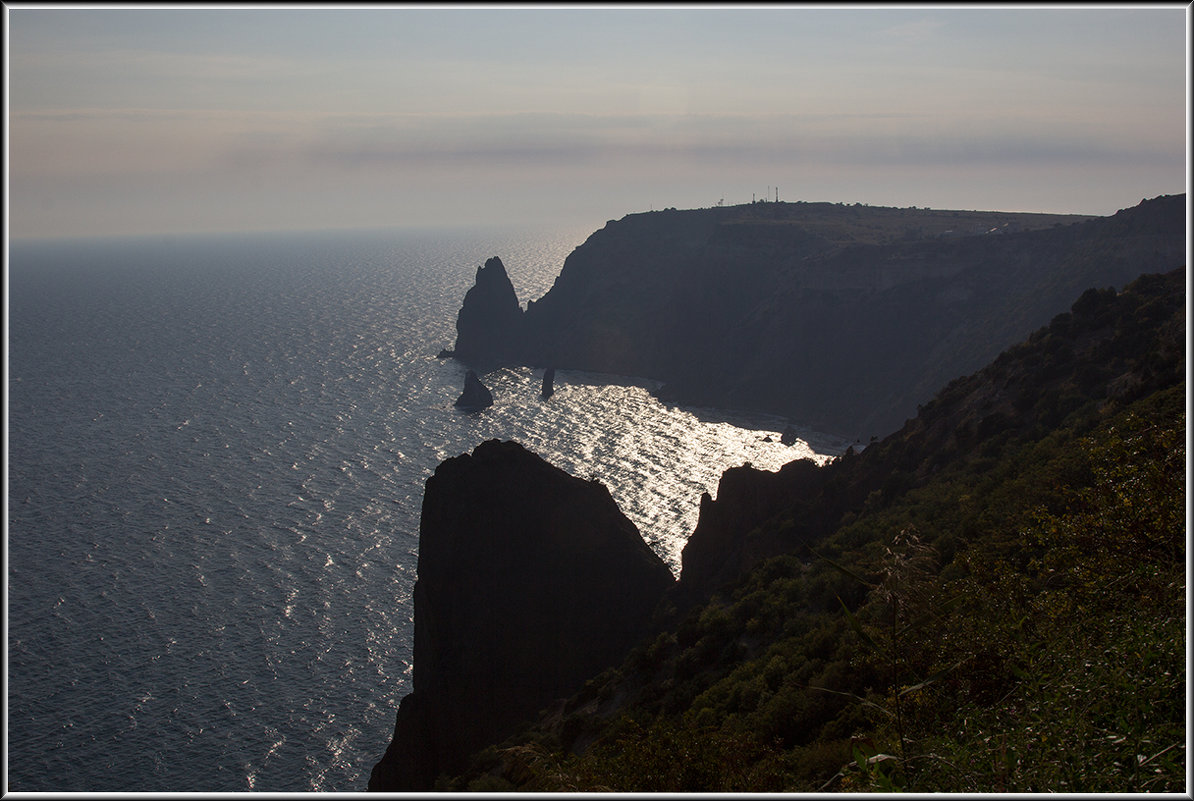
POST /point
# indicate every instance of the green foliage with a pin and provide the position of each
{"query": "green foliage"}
(1070, 638)
(671, 756)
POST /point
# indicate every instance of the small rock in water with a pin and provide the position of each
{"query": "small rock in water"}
(476, 395)
(789, 436)
(549, 377)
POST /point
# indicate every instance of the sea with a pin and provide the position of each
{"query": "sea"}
(216, 452)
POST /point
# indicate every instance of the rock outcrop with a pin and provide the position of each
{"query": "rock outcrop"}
(530, 582)
(789, 436)
(549, 377)
(476, 395)
(489, 325)
(720, 547)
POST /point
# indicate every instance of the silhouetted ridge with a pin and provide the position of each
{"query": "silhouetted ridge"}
(840, 317)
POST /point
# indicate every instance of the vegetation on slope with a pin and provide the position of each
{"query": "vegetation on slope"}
(1006, 613)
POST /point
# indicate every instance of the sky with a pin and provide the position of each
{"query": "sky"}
(181, 119)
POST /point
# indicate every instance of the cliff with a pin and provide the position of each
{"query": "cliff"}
(842, 317)
(530, 581)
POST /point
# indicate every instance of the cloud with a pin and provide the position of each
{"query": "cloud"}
(917, 32)
(176, 144)
(146, 169)
(697, 141)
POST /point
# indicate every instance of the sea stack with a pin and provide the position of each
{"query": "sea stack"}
(476, 395)
(489, 325)
(530, 582)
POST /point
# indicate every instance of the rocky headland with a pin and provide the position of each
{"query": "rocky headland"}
(840, 317)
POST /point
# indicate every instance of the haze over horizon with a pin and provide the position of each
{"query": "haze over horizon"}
(176, 120)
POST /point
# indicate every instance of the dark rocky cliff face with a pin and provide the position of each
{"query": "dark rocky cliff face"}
(746, 497)
(804, 310)
(530, 582)
(861, 361)
(489, 326)
(1110, 347)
